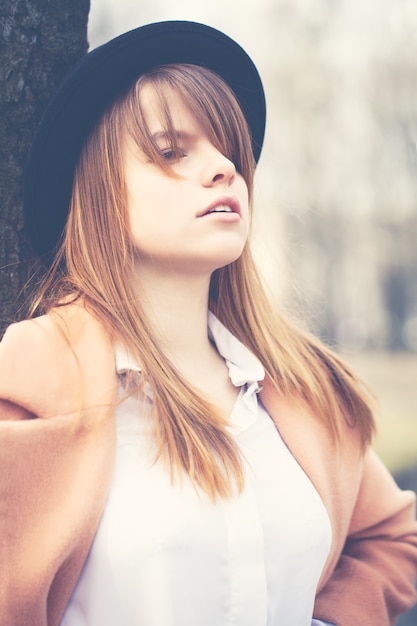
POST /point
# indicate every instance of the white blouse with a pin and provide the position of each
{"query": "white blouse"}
(165, 555)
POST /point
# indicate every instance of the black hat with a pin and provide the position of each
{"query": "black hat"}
(95, 82)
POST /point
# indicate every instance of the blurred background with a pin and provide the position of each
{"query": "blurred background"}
(336, 205)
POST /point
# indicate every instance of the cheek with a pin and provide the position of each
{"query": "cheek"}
(151, 222)
(245, 207)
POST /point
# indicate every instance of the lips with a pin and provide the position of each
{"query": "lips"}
(223, 208)
(223, 205)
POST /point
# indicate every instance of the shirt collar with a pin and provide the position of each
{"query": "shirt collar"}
(244, 367)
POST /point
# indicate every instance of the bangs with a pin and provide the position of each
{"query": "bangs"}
(210, 101)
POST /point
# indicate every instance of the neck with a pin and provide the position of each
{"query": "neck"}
(177, 308)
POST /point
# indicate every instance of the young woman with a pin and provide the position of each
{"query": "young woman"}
(173, 451)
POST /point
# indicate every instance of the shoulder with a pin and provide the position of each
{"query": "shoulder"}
(51, 339)
(24, 347)
(24, 342)
(45, 362)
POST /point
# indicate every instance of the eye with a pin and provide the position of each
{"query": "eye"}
(171, 155)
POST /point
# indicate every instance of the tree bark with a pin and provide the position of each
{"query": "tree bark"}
(40, 41)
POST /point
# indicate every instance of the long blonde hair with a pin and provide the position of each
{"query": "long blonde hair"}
(95, 262)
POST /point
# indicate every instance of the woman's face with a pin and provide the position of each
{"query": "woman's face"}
(197, 221)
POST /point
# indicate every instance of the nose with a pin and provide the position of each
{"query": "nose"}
(220, 170)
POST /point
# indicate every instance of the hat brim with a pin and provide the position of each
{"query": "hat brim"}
(95, 82)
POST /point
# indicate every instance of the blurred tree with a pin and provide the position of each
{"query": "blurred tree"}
(399, 277)
(343, 161)
(40, 41)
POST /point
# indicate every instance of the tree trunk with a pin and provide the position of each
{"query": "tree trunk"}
(40, 41)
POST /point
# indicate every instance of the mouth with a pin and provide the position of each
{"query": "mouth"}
(224, 205)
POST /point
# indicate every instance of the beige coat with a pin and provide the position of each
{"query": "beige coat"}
(57, 450)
